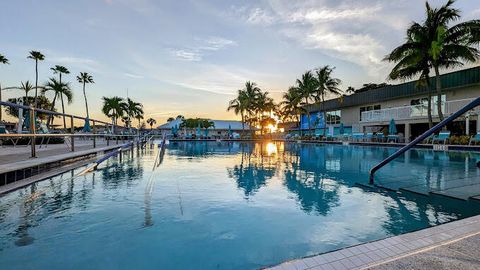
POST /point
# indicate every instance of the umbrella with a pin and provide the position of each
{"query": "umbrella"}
(229, 130)
(197, 133)
(392, 128)
(26, 122)
(205, 132)
(341, 129)
(86, 127)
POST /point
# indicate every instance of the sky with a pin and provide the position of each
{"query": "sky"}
(190, 57)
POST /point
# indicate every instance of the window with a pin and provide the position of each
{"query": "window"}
(369, 108)
(334, 117)
(420, 106)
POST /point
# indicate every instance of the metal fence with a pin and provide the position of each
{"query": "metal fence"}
(32, 133)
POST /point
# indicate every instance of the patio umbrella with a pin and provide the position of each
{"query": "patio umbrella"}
(341, 129)
(229, 130)
(26, 122)
(198, 131)
(86, 126)
(205, 132)
(392, 128)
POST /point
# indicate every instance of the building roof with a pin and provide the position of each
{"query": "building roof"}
(219, 124)
(450, 81)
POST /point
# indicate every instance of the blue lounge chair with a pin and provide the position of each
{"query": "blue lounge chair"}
(474, 139)
(369, 137)
(393, 137)
(442, 136)
(358, 136)
(379, 137)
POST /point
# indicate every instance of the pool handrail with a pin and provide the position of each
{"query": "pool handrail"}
(429, 132)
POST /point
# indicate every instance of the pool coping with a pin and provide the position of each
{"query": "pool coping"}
(379, 252)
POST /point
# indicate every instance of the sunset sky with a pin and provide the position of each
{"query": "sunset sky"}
(190, 57)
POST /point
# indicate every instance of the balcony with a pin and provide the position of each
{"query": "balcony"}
(414, 111)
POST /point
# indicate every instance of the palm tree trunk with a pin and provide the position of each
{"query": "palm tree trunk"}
(36, 82)
(439, 93)
(85, 96)
(308, 115)
(50, 117)
(63, 111)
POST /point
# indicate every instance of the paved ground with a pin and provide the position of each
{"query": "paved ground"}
(10, 154)
(455, 245)
(464, 254)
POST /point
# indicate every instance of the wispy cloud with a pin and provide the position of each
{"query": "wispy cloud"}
(260, 16)
(200, 47)
(135, 76)
(77, 62)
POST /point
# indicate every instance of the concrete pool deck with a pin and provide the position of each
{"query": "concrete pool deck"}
(423, 249)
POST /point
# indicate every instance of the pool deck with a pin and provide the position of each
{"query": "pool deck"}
(17, 160)
(454, 245)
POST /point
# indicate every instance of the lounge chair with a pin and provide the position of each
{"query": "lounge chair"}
(474, 139)
(379, 137)
(393, 137)
(442, 136)
(369, 137)
(358, 136)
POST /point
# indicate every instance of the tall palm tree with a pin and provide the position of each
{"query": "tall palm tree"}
(60, 89)
(37, 56)
(85, 78)
(114, 108)
(251, 93)
(57, 70)
(239, 105)
(326, 85)
(134, 109)
(24, 86)
(291, 105)
(3, 60)
(263, 105)
(449, 46)
(307, 86)
(413, 59)
(151, 122)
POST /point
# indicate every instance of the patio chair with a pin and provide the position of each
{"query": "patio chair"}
(428, 139)
(393, 137)
(443, 136)
(369, 137)
(474, 139)
(358, 136)
(379, 137)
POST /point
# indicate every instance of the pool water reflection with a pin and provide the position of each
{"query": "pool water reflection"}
(220, 205)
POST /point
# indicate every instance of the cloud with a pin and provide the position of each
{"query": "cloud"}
(201, 47)
(133, 76)
(77, 62)
(260, 16)
(344, 29)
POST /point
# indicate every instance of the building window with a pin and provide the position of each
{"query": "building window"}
(369, 108)
(334, 117)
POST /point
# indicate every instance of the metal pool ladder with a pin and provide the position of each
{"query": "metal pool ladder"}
(422, 137)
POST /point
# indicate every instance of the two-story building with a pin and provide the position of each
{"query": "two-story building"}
(406, 103)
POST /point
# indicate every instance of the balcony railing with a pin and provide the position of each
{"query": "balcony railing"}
(414, 111)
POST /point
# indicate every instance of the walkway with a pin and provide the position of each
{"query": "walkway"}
(455, 245)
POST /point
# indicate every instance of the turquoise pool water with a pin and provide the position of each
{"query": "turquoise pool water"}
(222, 206)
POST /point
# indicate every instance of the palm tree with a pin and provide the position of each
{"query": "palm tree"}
(134, 109)
(37, 56)
(350, 90)
(413, 59)
(85, 78)
(326, 85)
(58, 70)
(263, 104)
(24, 86)
(239, 105)
(307, 86)
(250, 96)
(151, 122)
(114, 108)
(3, 60)
(291, 108)
(60, 89)
(447, 46)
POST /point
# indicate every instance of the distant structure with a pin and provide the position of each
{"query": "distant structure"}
(221, 129)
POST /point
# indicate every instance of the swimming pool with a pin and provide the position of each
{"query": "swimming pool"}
(213, 205)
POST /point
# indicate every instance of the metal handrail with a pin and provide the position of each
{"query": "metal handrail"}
(468, 107)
